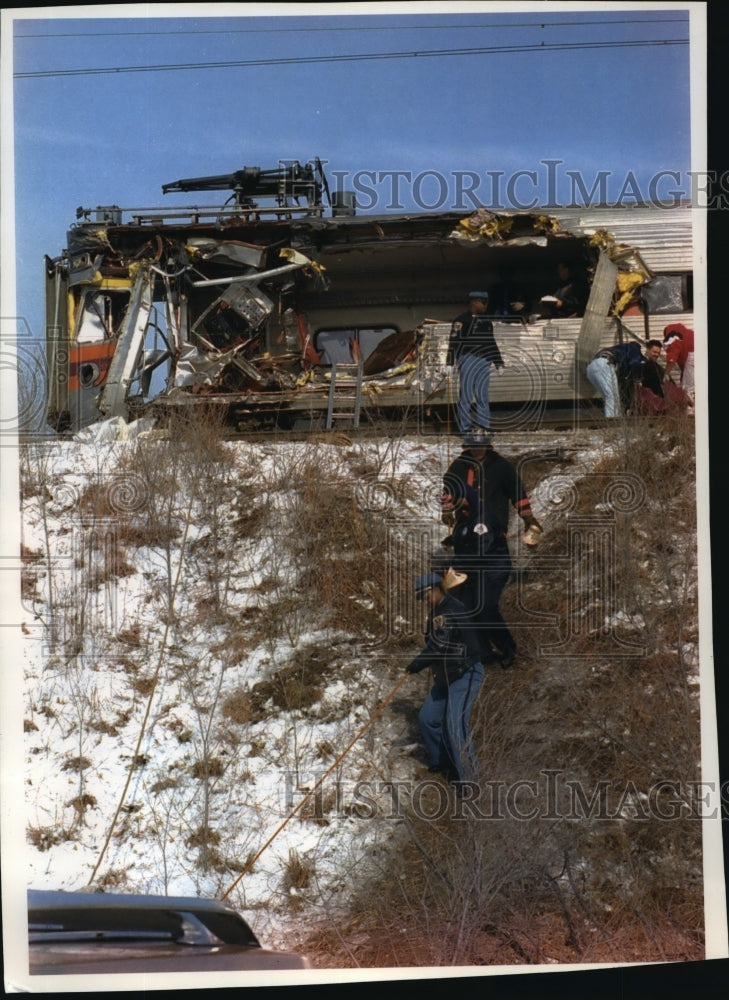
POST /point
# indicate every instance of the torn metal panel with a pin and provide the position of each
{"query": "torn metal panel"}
(113, 397)
(229, 251)
(593, 327)
(249, 303)
(195, 368)
(233, 317)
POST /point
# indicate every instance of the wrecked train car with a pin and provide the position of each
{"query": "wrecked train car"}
(286, 308)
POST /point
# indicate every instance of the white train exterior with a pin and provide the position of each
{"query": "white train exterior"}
(252, 307)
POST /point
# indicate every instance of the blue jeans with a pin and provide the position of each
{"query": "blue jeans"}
(445, 726)
(604, 378)
(473, 398)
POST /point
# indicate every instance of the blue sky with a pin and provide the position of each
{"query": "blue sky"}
(607, 93)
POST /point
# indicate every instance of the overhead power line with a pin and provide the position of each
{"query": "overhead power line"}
(491, 26)
(364, 57)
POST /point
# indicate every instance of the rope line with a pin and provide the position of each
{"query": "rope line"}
(249, 865)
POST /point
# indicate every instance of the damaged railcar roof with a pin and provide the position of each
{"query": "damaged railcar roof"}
(256, 307)
(482, 226)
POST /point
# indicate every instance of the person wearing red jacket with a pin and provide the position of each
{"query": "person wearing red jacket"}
(678, 344)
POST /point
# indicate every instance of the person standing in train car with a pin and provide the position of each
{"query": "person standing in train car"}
(472, 348)
(569, 298)
(506, 300)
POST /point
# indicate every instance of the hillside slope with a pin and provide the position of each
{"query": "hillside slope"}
(216, 701)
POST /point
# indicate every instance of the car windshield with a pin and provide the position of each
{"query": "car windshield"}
(180, 927)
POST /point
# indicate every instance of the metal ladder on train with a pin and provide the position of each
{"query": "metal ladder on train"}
(345, 393)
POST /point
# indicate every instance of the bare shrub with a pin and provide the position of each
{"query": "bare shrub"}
(342, 548)
(203, 837)
(80, 804)
(76, 764)
(296, 686)
(209, 857)
(113, 880)
(325, 749)
(104, 726)
(143, 685)
(131, 636)
(298, 871)
(249, 514)
(328, 555)
(128, 665)
(163, 784)
(212, 767)
(29, 585)
(319, 807)
(45, 837)
(235, 648)
(237, 707)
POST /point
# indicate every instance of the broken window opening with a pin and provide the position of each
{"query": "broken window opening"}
(100, 315)
(152, 375)
(667, 294)
(342, 346)
(234, 319)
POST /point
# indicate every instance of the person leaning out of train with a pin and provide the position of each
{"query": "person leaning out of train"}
(650, 396)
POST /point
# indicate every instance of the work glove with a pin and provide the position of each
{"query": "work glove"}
(448, 518)
(411, 668)
(448, 371)
(533, 531)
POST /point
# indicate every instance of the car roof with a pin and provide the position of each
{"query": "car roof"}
(51, 911)
(79, 932)
(61, 899)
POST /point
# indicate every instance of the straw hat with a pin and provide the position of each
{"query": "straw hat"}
(451, 578)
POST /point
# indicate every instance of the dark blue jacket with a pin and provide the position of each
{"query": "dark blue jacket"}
(476, 532)
(494, 478)
(627, 358)
(473, 335)
(451, 643)
(628, 361)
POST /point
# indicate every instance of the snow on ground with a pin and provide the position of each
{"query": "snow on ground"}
(115, 781)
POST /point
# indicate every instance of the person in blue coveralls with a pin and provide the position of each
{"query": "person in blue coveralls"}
(472, 348)
(452, 654)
